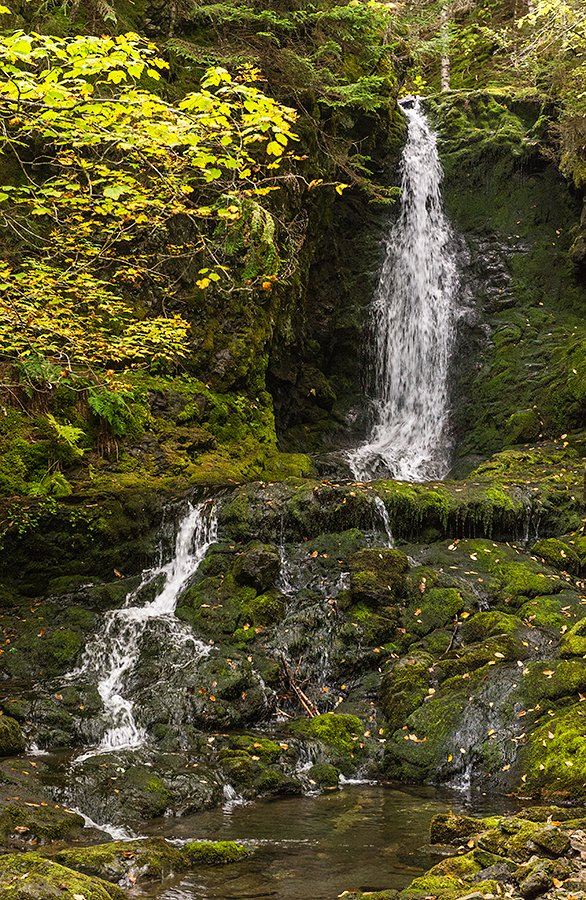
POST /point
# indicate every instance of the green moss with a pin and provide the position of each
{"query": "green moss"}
(208, 853)
(267, 751)
(45, 878)
(557, 555)
(324, 774)
(11, 738)
(555, 766)
(336, 730)
(43, 822)
(404, 687)
(149, 858)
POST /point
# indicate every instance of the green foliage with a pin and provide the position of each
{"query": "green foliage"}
(107, 165)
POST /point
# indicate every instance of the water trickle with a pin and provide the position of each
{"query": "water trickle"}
(112, 655)
(412, 322)
(383, 515)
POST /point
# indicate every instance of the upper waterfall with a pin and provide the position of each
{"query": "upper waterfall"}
(412, 324)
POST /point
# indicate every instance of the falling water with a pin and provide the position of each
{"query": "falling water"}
(112, 655)
(412, 318)
(383, 515)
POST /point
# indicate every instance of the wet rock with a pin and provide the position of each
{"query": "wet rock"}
(214, 853)
(258, 567)
(324, 775)
(28, 876)
(11, 738)
(449, 829)
(557, 555)
(539, 877)
(149, 859)
(404, 687)
(376, 576)
(500, 871)
(38, 823)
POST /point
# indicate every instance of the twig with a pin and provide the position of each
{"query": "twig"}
(309, 707)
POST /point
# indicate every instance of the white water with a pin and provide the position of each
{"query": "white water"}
(116, 649)
(412, 320)
(383, 514)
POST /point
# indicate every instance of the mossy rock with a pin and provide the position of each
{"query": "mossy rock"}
(376, 576)
(574, 642)
(556, 766)
(266, 750)
(404, 687)
(339, 731)
(213, 853)
(557, 555)
(258, 567)
(42, 822)
(324, 774)
(524, 426)
(520, 839)
(11, 737)
(445, 887)
(152, 858)
(437, 607)
(269, 608)
(540, 876)
(488, 624)
(29, 876)
(447, 828)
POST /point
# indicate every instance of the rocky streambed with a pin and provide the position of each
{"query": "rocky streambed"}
(421, 634)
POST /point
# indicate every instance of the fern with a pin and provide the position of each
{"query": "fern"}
(68, 433)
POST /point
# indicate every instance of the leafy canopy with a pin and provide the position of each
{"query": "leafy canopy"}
(104, 164)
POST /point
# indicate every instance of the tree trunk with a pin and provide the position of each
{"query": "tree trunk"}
(445, 36)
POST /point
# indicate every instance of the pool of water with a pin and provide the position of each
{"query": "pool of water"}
(364, 837)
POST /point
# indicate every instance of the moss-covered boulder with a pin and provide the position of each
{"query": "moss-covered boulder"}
(150, 859)
(38, 822)
(557, 555)
(404, 687)
(213, 853)
(376, 576)
(28, 876)
(258, 567)
(11, 737)
(447, 828)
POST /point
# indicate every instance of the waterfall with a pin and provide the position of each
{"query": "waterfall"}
(412, 322)
(113, 654)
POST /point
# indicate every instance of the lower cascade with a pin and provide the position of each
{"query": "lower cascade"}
(412, 323)
(111, 656)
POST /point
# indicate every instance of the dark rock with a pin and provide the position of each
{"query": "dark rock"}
(258, 567)
(450, 829)
(11, 738)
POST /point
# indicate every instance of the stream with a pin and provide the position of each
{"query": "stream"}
(364, 837)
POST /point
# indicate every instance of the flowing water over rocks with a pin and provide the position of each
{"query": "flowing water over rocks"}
(111, 657)
(413, 324)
